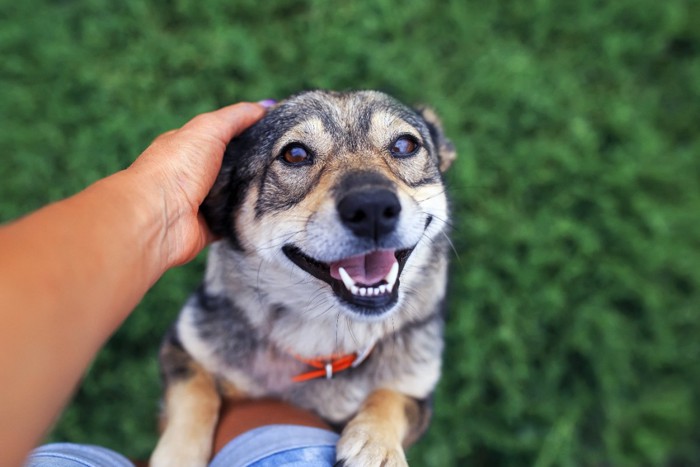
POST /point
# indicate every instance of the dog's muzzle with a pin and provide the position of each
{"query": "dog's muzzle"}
(367, 282)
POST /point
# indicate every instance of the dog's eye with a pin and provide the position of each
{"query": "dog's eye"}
(296, 154)
(404, 146)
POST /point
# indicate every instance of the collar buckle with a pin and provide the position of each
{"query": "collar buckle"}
(328, 366)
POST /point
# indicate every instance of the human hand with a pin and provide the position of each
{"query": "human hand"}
(179, 168)
(92, 257)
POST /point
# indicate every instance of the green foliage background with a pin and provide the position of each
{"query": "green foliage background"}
(574, 334)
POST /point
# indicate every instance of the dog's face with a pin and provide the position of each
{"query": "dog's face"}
(343, 190)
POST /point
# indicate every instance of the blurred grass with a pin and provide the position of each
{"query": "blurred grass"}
(574, 335)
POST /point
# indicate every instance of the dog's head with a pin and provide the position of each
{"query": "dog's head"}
(341, 189)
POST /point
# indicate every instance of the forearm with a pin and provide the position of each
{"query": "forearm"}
(70, 274)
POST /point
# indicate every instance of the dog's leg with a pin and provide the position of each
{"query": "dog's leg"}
(191, 410)
(387, 422)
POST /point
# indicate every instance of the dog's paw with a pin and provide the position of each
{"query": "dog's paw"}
(362, 446)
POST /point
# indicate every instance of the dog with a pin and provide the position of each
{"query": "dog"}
(326, 288)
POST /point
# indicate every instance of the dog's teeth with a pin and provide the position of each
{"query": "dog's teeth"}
(347, 280)
(391, 277)
(370, 291)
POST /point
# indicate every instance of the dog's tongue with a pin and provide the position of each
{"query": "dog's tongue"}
(366, 269)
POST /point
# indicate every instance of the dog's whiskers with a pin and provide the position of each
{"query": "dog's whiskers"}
(453, 248)
(319, 295)
(280, 241)
(320, 315)
(434, 195)
(337, 319)
(352, 334)
(442, 220)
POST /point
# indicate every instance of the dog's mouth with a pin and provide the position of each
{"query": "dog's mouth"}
(369, 282)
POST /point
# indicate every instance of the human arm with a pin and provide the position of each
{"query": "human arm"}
(71, 272)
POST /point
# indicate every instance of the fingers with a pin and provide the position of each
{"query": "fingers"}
(227, 122)
(221, 125)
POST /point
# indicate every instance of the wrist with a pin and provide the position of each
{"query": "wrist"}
(143, 223)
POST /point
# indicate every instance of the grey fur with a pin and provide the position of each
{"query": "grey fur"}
(256, 308)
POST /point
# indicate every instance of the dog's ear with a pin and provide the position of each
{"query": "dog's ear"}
(224, 199)
(445, 148)
(215, 207)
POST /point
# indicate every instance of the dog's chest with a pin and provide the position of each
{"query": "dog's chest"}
(269, 373)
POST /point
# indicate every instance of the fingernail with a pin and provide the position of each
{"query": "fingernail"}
(267, 103)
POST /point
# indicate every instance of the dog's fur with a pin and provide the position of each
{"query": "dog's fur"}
(367, 181)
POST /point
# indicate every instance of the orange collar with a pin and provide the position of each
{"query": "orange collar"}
(331, 364)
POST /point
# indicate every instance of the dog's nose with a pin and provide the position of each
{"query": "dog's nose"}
(370, 213)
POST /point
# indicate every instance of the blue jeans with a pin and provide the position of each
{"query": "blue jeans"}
(267, 446)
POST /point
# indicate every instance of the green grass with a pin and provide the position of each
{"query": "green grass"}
(574, 328)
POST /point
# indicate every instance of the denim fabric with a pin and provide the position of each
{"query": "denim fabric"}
(75, 455)
(274, 445)
(287, 445)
